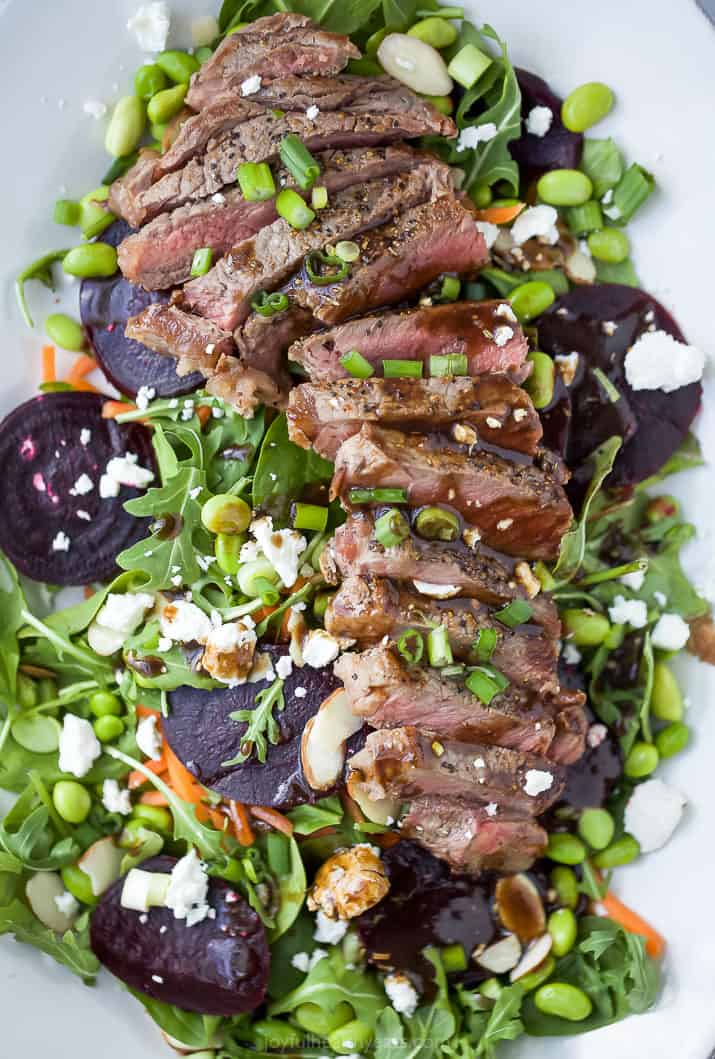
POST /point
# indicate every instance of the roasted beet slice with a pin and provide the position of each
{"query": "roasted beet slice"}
(602, 323)
(559, 148)
(217, 967)
(46, 460)
(202, 735)
(105, 306)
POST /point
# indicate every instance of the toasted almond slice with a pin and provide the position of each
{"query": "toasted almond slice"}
(322, 748)
(101, 863)
(501, 956)
(41, 890)
(533, 956)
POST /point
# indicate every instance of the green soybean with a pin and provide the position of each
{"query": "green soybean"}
(563, 1000)
(108, 728)
(65, 332)
(565, 883)
(563, 929)
(165, 105)
(537, 977)
(275, 1034)
(203, 54)
(105, 703)
(435, 31)
(153, 816)
(623, 851)
(596, 826)
(37, 733)
(481, 195)
(642, 759)
(540, 384)
(585, 627)
(227, 549)
(565, 848)
(672, 739)
(443, 104)
(586, 106)
(90, 260)
(148, 80)
(177, 65)
(354, 1036)
(26, 692)
(666, 701)
(322, 1023)
(71, 800)
(609, 244)
(225, 513)
(564, 187)
(491, 988)
(126, 126)
(531, 299)
(78, 883)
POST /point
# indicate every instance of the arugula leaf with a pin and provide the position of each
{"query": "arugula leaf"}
(332, 981)
(665, 574)
(146, 844)
(230, 445)
(26, 834)
(284, 977)
(284, 470)
(41, 270)
(292, 886)
(686, 456)
(72, 620)
(400, 14)
(262, 727)
(71, 949)
(306, 819)
(573, 545)
(193, 1030)
(177, 668)
(12, 603)
(55, 646)
(503, 1023)
(340, 16)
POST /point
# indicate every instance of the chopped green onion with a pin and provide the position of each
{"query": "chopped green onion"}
(318, 266)
(256, 181)
(377, 496)
(66, 212)
(586, 218)
(442, 364)
(267, 591)
(278, 114)
(612, 392)
(346, 250)
(475, 292)
(292, 208)
(454, 958)
(451, 287)
(468, 65)
(202, 261)
(485, 683)
(438, 524)
(299, 162)
(411, 646)
(438, 648)
(452, 671)
(515, 613)
(310, 517)
(631, 192)
(357, 365)
(402, 369)
(319, 198)
(119, 167)
(485, 644)
(269, 304)
(391, 529)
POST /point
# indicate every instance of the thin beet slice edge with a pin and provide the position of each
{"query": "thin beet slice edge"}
(217, 967)
(43, 457)
(559, 148)
(105, 306)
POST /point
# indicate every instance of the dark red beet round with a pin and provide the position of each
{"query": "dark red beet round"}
(42, 457)
(559, 148)
(105, 306)
(653, 423)
(202, 735)
(217, 967)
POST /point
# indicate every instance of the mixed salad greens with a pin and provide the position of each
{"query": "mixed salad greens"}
(622, 594)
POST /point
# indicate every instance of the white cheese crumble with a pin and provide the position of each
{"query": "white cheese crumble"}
(148, 738)
(329, 931)
(537, 781)
(124, 470)
(188, 890)
(85, 436)
(300, 692)
(631, 612)
(282, 548)
(116, 799)
(539, 120)
(536, 221)
(312, 112)
(660, 598)
(427, 588)
(671, 632)
(284, 667)
(118, 618)
(82, 486)
(94, 108)
(652, 814)
(84, 515)
(502, 335)
(150, 26)
(204, 31)
(476, 134)
(320, 648)
(251, 85)
(491, 809)
(144, 396)
(489, 231)
(79, 746)
(304, 961)
(634, 580)
(506, 312)
(184, 622)
(66, 904)
(403, 995)
(656, 361)
(61, 542)
(567, 365)
(571, 654)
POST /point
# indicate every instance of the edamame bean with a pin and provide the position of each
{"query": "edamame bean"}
(491, 988)
(26, 692)
(616, 636)
(153, 816)
(65, 332)
(481, 195)
(92, 259)
(565, 848)
(177, 65)
(531, 299)
(157, 133)
(596, 826)
(354, 1036)
(322, 1023)
(672, 739)
(105, 703)
(275, 1034)
(565, 883)
(95, 215)
(562, 928)
(563, 1000)
(164, 105)
(534, 979)
(72, 801)
(609, 244)
(203, 54)
(540, 384)
(148, 80)
(641, 760)
(225, 513)
(46, 689)
(435, 31)
(666, 701)
(586, 106)
(108, 728)
(78, 883)
(625, 850)
(443, 104)
(564, 187)
(585, 627)
(126, 126)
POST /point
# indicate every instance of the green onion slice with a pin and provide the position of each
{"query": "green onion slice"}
(256, 181)
(299, 162)
(357, 365)
(450, 290)
(269, 304)
(411, 646)
(202, 261)
(310, 517)
(324, 269)
(292, 208)
(391, 529)
(485, 682)
(515, 613)
(402, 369)
(438, 648)
(319, 198)
(485, 644)
(346, 250)
(377, 496)
(448, 364)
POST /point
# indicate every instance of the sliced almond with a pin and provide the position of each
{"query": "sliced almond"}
(378, 811)
(579, 268)
(501, 956)
(41, 890)
(417, 64)
(519, 906)
(533, 957)
(101, 863)
(322, 748)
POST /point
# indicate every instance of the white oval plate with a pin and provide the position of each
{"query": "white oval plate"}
(659, 56)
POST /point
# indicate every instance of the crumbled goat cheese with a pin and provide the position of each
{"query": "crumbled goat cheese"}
(657, 361)
(79, 746)
(304, 961)
(476, 134)
(671, 632)
(427, 588)
(631, 612)
(660, 598)
(108, 487)
(118, 618)
(312, 112)
(491, 809)
(204, 31)
(150, 26)
(188, 890)
(251, 85)
(144, 396)
(567, 366)
(84, 515)
(596, 734)
(116, 799)
(536, 221)
(537, 781)
(609, 327)
(300, 692)
(184, 622)
(489, 231)
(82, 486)
(652, 814)
(571, 654)
(282, 548)
(506, 312)
(329, 931)
(85, 436)
(94, 108)
(66, 904)
(502, 335)
(320, 648)
(164, 644)
(538, 121)
(634, 580)
(124, 470)
(403, 995)
(284, 667)
(61, 542)
(148, 738)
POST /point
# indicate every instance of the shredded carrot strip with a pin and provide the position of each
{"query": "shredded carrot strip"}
(153, 798)
(284, 631)
(87, 387)
(112, 409)
(241, 824)
(88, 591)
(203, 413)
(49, 372)
(261, 613)
(82, 366)
(635, 924)
(385, 841)
(273, 818)
(500, 214)
(180, 778)
(144, 711)
(218, 819)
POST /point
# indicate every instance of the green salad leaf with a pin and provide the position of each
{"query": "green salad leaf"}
(193, 1030)
(329, 983)
(306, 819)
(71, 949)
(503, 1022)
(40, 270)
(262, 725)
(573, 544)
(284, 470)
(12, 604)
(431, 1026)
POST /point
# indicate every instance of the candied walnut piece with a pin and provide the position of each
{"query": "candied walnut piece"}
(348, 883)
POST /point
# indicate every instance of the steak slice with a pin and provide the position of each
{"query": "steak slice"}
(261, 263)
(519, 509)
(491, 408)
(161, 253)
(401, 763)
(197, 344)
(272, 47)
(125, 193)
(369, 609)
(472, 839)
(480, 574)
(461, 327)
(245, 388)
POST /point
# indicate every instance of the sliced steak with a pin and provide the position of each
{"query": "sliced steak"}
(519, 509)
(369, 609)
(401, 763)
(125, 193)
(472, 839)
(461, 327)
(197, 344)
(491, 408)
(272, 47)
(243, 387)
